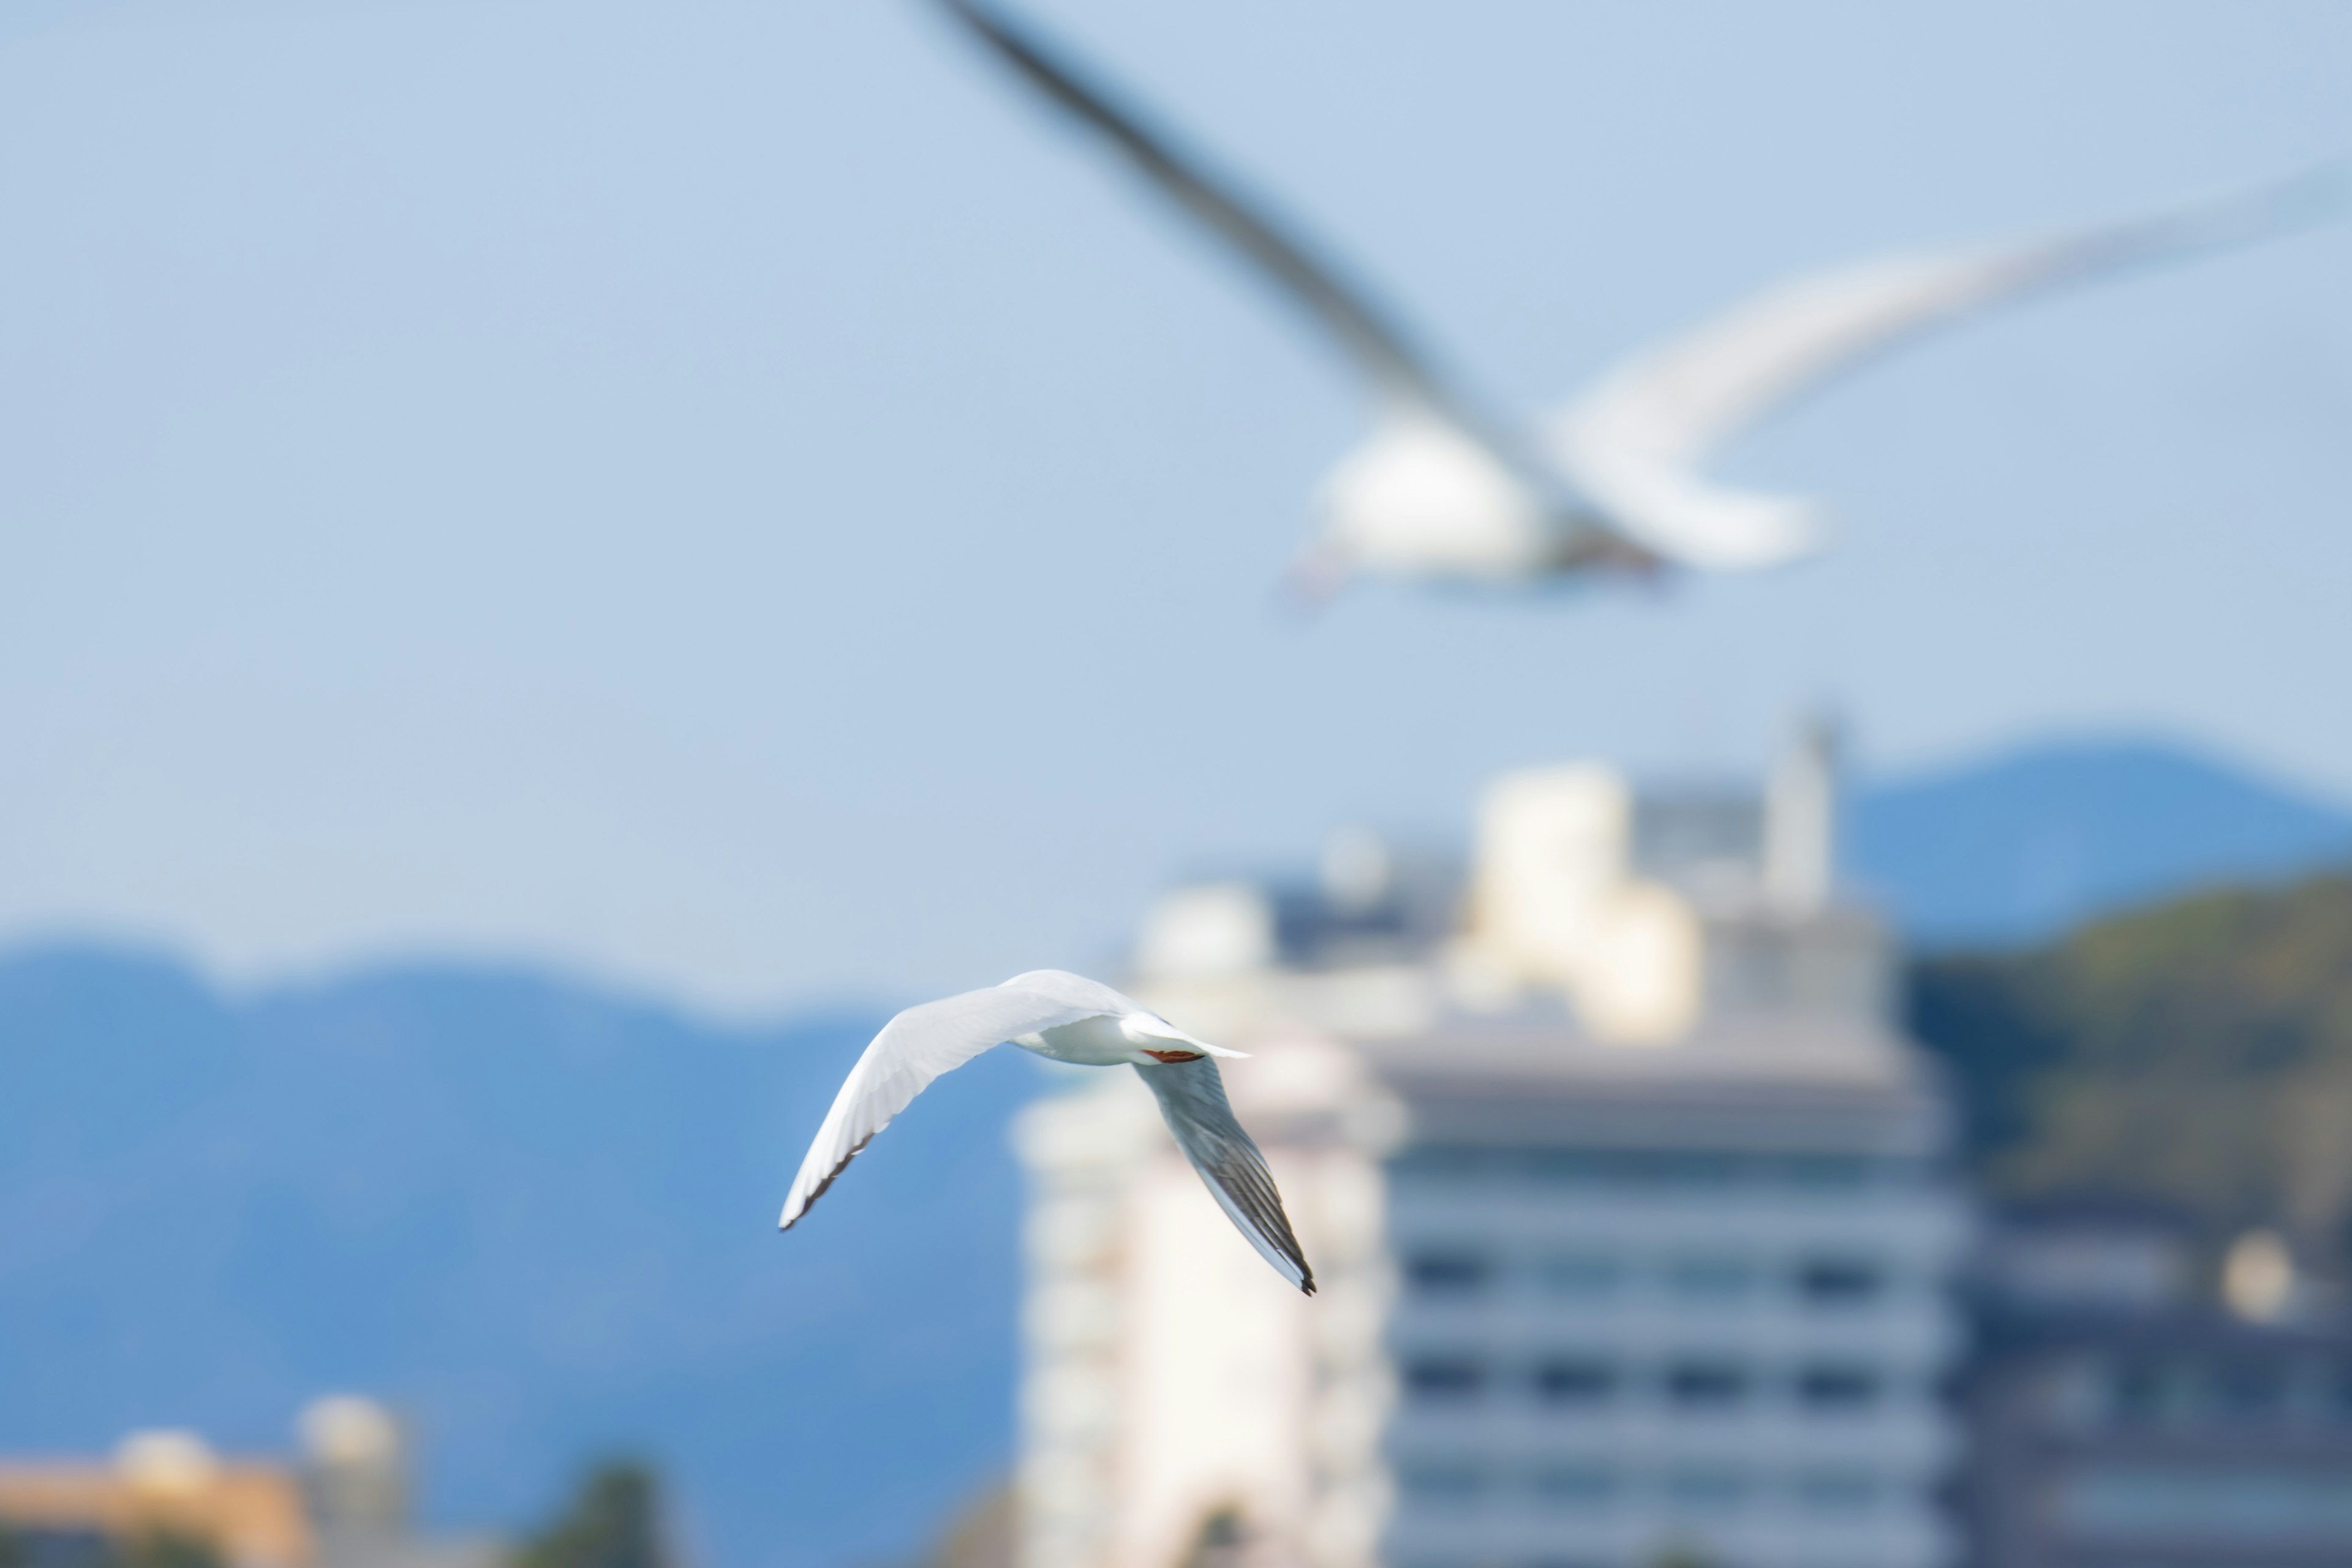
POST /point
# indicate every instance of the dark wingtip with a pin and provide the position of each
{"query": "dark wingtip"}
(1307, 1287)
(826, 1185)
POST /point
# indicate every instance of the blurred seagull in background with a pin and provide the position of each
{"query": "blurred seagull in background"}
(1070, 1019)
(1611, 484)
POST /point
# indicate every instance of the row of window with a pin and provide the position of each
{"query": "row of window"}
(1461, 1272)
(1668, 1169)
(2261, 1509)
(2149, 1391)
(1437, 1482)
(1691, 1385)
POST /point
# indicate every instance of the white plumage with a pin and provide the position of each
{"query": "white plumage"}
(1634, 441)
(1612, 482)
(1073, 1019)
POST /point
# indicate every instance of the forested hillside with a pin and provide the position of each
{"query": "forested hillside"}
(2198, 1051)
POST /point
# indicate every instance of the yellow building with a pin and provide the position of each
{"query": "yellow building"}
(249, 1512)
(341, 1502)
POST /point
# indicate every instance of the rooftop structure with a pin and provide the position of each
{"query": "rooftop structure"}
(1629, 1208)
(355, 1479)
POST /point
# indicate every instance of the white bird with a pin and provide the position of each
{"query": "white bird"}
(1609, 484)
(1070, 1019)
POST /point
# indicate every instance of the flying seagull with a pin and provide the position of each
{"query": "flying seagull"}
(1612, 483)
(1070, 1019)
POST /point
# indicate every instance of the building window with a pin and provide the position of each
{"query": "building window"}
(1839, 1492)
(1442, 1162)
(1839, 1281)
(2249, 1392)
(1439, 1380)
(1837, 1389)
(1834, 1172)
(1447, 1273)
(1441, 1482)
(1631, 1168)
(1579, 1274)
(1575, 1381)
(1710, 1280)
(2136, 1393)
(1706, 1386)
(2266, 1511)
(1689, 1169)
(1575, 1486)
(1705, 1491)
(1566, 1167)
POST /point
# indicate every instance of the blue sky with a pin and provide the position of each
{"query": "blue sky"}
(725, 495)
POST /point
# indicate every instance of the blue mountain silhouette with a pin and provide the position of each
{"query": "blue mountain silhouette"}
(2019, 847)
(538, 1217)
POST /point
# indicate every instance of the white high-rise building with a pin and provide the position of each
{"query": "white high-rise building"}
(1629, 1208)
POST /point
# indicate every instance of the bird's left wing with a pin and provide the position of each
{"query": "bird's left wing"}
(1632, 443)
(912, 1049)
(1369, 337)
(1192, 1098)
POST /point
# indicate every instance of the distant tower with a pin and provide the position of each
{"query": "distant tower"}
(355, 1475)
(1801, 819)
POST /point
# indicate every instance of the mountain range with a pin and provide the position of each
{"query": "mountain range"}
(537, 1214)
(538, 1218)
(2026, 845)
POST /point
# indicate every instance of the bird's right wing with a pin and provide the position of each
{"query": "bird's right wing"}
(1368, 335)
(1193, 1100)
(1634, 441)
(912, 1049)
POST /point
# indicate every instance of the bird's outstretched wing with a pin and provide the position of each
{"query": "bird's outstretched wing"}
(912, 1049)
(1367, 333)
(1633, 441)
(1192, 1098)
